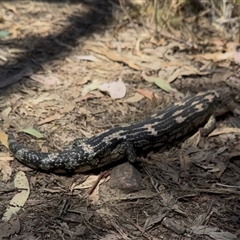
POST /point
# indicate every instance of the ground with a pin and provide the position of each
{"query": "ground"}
(55, 58)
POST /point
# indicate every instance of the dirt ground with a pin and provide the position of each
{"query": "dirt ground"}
(57, 60)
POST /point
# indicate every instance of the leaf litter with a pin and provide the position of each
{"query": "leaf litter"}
(63, 100)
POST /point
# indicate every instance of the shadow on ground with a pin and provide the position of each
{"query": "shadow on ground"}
(52, 46)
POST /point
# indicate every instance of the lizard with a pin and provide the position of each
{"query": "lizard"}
(169, 127)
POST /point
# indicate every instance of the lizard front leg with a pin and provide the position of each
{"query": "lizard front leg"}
(208, 127)
(125, 148)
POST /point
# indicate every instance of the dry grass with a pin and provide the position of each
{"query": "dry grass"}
(173, 11)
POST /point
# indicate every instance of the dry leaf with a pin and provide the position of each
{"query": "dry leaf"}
(10, 7)
(113, 56)
(185, 71)
(88, 183)
(146, 93)
(19, 200)
(91, 86)
(221, 76)
(224, 130)
(193, 141)
(67, 108)
(84, 80)
(5, 167)
(46, 79)
(112, 236)
(221, 167)
(136, 98)
(50, 119)
(3, 58)
(216, 57)
(213, 232)
(90, 58)
(116, 90)
(42, 98)
(4, 138)
(153, 219)
(6, 111)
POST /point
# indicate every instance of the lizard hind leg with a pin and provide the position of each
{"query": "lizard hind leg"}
(125, 148)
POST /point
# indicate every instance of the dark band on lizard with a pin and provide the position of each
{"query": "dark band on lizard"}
(166, 128)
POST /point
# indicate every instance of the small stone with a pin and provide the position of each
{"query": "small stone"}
(126, 178)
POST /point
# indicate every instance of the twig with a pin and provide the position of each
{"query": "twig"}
(101, 175)
(214, 191)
